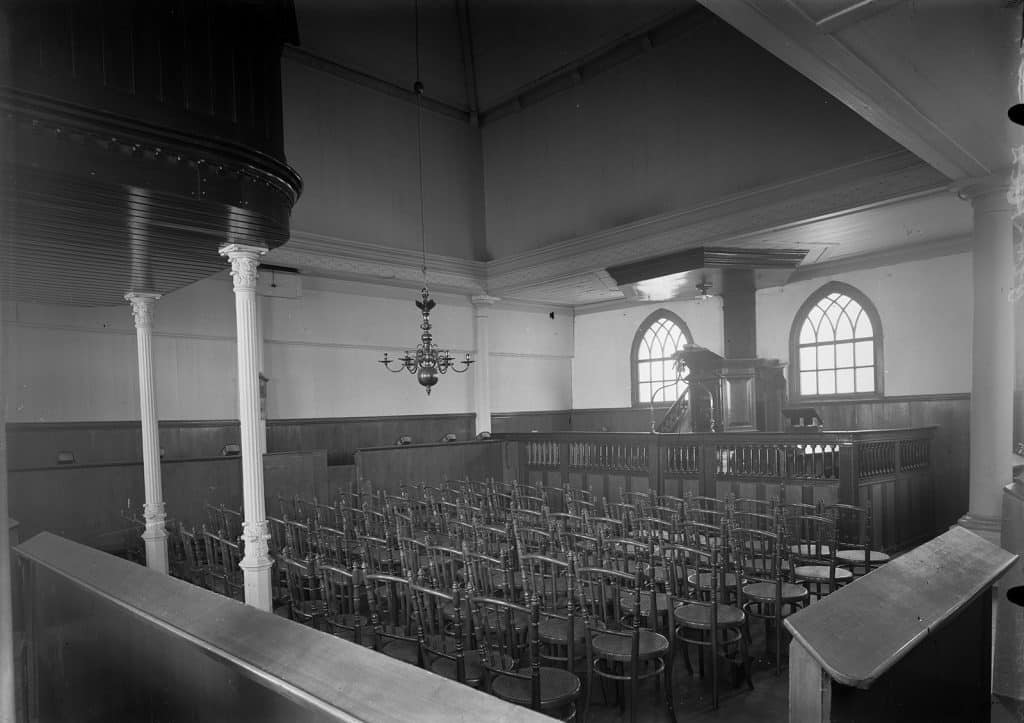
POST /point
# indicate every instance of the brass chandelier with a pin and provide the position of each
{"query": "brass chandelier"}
(427, 362)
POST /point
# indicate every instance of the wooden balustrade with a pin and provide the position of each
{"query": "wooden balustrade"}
(889, 468)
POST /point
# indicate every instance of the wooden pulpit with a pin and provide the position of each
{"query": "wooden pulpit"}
(734, 395)
(910, 641)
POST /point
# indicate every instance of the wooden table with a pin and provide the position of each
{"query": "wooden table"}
(910, 641)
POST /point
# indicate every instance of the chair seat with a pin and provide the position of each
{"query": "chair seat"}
(705, 579)
(626, 601)
(556, 632)
(404, 650)
(620, 647)
(557, 687)
(445, 667)
(858, 557)
(821, 572)
(765, 592)
(699, 616)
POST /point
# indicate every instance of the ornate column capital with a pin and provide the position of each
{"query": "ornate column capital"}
(142, 307)
(483, 302)
(244, 263)
(990, 192)
(255, 536)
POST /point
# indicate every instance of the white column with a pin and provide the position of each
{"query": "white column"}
(261, 368)
(256, 562)
(6, 590)
(992, 361)
(482, 371)
(155, 535)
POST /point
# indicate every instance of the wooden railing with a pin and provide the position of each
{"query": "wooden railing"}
(888, 469)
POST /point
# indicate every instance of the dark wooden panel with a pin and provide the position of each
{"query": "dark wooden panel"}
(84, 502)
(554, 421)
(342, 436)
(388, 468)
(109, 640)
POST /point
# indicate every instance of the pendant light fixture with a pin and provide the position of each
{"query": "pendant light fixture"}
(427, 362)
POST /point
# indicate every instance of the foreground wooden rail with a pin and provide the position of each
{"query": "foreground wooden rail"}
(107, 639)
(890, 468)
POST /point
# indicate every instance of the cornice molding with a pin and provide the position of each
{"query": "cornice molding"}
(764, 210)
(341, 258)
(916, 252)
(576, 268)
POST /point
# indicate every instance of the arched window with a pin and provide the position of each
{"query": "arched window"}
(836, 345)
(660, 336)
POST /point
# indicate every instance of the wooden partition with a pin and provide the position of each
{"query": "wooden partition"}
(388, 468)
(109, 640)
(890, 468)
(84, 502)
(910, 641)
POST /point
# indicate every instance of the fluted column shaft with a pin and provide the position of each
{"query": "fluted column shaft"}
(7, 690)
(256, 562)
(155, 535)
(992, 376)
(482, 371)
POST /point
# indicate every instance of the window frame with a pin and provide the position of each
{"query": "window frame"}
(638, 337)
(794, 344)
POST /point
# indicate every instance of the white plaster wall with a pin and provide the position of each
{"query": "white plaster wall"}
(321, 352)
(926, 312)
(356, 151)
(531, 359)
(603, 340)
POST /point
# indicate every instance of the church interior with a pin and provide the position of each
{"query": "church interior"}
(618, 359)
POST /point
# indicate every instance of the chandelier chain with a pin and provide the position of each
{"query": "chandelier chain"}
(418, 89)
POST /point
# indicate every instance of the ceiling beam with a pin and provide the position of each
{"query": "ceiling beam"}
(317, 62)
(578, 71)
(468, 60)
(784, 30)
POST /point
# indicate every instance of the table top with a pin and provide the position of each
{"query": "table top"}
(863, 629)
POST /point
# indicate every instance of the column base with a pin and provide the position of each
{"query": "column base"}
(155, 538)
(257, 577)
(989, 528)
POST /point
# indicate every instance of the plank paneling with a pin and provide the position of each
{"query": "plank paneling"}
(950, 413)
(388, 468)
(84, 502)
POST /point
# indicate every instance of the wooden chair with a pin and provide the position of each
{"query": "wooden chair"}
(552, 582)
(307, 603)
(445, 565)
(343, 593)
(813, 555)
(391, 617)
(510, 658)
(197, 564)
(441, 635)
(700, 619)
(854, 538)
(767, 593)
(618, 647)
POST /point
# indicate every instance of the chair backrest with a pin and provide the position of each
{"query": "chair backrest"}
(341, 588)
(486, 575)
(438, 636)
(758, 554)
(390, 603)
(445, 566)
(547, 578)
(303, 579)
(855, 530)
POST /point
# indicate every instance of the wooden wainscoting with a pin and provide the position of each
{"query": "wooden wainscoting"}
(342, 436)
(950, 413)
(84, 502)
(553, 421)
(33, 445)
